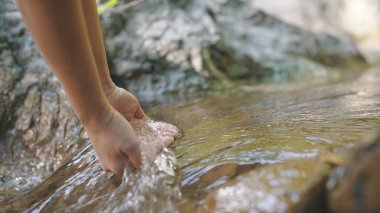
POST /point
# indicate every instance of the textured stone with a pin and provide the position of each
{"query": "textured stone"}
(38, 128)
(273, 188)
(210, 37)
(356, 19)
(355, 187)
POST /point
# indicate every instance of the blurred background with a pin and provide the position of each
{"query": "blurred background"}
(355, 19)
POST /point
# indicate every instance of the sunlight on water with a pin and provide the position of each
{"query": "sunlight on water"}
(155, 188)
(81, 185)
(260, 146)
(226, 136)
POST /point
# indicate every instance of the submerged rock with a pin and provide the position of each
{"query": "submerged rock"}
(356, 186)
(272, 188)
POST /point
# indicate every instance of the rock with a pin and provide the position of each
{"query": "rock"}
(213, 39)
(356, 19)
(355, 187)
(38, 129)
(80, 185)
(273, 188)
(147, 55)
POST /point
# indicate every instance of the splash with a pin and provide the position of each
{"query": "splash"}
(155, 188)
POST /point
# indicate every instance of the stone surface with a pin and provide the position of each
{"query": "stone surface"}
(38, 128)
(210, 37)
(356, 19)
(355, 187)
(272, 188)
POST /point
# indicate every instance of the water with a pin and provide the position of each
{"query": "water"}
(257, 148)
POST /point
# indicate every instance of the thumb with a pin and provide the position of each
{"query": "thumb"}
(139, 114)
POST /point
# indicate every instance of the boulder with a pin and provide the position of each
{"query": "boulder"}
(356, 19)
(292, 186)
(211, 38)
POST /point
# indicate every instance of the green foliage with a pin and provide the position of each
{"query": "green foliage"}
(105, 6)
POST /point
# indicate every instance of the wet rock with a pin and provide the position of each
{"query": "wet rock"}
(38, 129)
(273, 188)
(80, 185)
(356, 186)
(213, 39)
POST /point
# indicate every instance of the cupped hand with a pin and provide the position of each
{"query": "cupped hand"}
(126, 104)
(121, 139)
(115, 143)
(154, 136)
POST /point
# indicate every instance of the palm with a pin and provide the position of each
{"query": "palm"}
(153, 135)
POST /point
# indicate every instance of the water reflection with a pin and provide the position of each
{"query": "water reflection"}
(226, 136)
(81, 186)
(248, 150)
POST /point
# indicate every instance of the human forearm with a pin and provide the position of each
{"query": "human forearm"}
(59, 29)
(94, 33)
(123, 101)
(61, 41)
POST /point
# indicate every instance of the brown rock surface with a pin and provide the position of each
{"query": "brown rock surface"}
(356, 186)
(273, 188)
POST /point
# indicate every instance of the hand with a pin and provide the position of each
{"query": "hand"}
(115, 143)
(126, 104)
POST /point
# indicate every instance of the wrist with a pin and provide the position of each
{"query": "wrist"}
(97, 119)
(113, 96)
(109, 88)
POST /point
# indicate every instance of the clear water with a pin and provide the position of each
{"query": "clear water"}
(263, 141)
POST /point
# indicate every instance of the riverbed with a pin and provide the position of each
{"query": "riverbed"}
(246, 147)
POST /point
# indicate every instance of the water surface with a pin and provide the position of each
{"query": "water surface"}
(251, 137)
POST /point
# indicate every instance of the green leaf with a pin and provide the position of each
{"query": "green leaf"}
(105, 6)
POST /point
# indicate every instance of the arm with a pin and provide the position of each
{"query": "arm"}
(123, 101)
(58, 28)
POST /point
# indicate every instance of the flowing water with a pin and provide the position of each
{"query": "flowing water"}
(251, 147)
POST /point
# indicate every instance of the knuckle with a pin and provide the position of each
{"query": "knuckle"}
(132, 147)
(118, 168)
(105, 169)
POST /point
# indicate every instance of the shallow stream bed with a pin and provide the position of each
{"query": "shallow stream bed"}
(261, 149)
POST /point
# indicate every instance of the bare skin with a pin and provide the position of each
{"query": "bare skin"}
(123, 101)
(68, 35)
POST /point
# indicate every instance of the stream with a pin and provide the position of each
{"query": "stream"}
(248, 148)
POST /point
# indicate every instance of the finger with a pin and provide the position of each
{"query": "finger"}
(149, 151)
(167, 140)
(170, 128)
(174, 130)
(105, 169)
(139, 113)
(128, 163)
(129, 116)
(170, 133)
(118, 167)
(134, 154)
